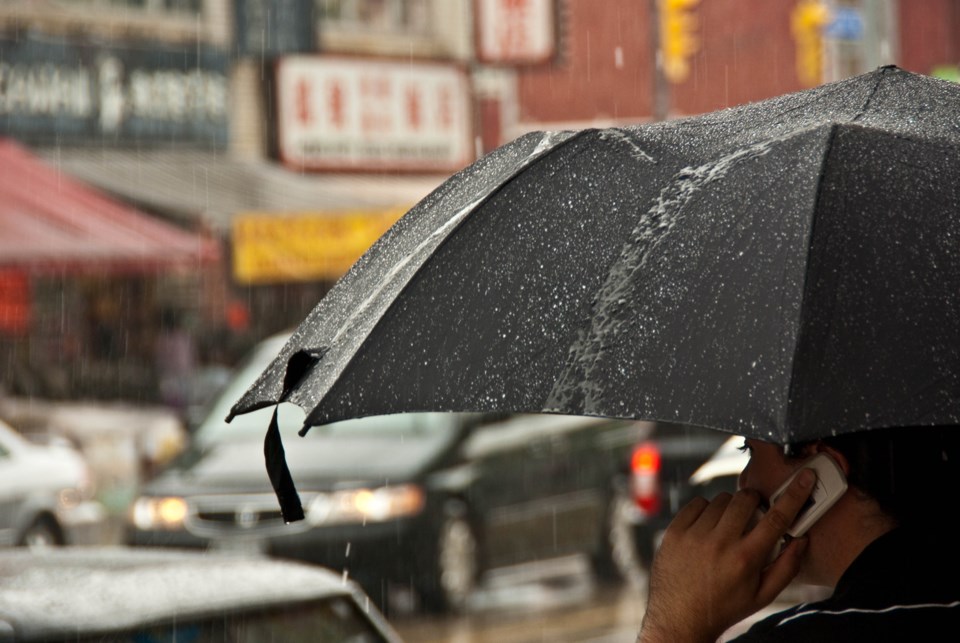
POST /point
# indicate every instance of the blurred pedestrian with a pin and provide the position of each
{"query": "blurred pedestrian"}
(212, 374)
(175, 356)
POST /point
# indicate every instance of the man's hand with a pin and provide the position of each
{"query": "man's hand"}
(708, 574)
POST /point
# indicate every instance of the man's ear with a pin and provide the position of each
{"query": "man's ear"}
(821, 447)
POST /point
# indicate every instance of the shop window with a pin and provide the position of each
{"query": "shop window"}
(375, 16)
(182, 21)
(172, 8)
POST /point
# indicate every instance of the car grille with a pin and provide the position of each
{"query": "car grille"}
(239, 515)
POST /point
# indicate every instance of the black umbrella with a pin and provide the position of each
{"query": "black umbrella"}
(786, 270)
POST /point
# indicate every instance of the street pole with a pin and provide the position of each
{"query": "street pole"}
(661, 89)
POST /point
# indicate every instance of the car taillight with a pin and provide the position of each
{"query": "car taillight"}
(645, 478)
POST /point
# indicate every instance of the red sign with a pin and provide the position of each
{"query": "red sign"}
(14, 302)
(515, 31)
(340, 113)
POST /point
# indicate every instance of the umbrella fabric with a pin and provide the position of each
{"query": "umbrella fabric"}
(785, 270)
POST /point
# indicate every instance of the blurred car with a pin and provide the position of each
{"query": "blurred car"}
(660, 470)
(721, 471)
(428, 501)
(46, 494)
(114, 594)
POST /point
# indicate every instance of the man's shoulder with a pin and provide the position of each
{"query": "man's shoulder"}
(768, 628)
(826, 622)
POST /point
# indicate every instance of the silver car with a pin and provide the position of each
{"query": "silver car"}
(46, 494)
(114, 594)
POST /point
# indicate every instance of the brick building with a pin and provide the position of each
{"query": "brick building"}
(604, 70)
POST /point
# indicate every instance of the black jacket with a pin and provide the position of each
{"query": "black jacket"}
(905, 586)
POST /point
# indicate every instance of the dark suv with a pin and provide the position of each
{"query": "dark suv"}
(425, 500)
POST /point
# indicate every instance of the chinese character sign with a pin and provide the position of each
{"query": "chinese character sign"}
(80, 92)
(339, 113)
(515, 31)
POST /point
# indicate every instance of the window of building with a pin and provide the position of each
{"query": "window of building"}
(375, 16)
(182, 21)
(173, 8)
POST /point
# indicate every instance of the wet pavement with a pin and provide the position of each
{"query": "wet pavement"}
(557, 602)
(553, 602)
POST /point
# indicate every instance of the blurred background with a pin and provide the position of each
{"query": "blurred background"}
(184, 178)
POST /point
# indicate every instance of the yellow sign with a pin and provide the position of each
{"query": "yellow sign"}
(310, 246)
(807, 21)
(678, 37)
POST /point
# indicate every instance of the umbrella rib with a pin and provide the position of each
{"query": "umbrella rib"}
(798, 341)
(622, 136)
(587, 350)
(873, 93)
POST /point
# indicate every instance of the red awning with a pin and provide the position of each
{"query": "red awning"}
(51, 221)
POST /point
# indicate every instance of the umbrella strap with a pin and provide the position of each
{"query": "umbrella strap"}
(298, 366)
(290, 507)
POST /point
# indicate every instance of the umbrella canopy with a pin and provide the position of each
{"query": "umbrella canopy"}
(785, 270)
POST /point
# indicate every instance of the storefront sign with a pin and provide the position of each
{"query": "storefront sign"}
(515, 31)
(62, 92)
(273, 27)
(338, 113)
(270, 248)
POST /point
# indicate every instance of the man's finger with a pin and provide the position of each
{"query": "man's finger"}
(741, 510)
(783, 570)
(689, 513)
(713, 513)
(781, 515)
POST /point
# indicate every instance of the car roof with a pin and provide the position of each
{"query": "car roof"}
(728, 460)
(11, 439)
(246, 373)
(100, 589)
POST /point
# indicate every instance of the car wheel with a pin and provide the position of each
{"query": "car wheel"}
(619, 559)
(41, 534)
(456, 567)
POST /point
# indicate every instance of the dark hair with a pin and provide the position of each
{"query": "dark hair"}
(907, 470)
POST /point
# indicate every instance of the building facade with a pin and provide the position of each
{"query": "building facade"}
(294, 132)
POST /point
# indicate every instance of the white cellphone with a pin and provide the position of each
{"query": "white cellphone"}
(830, 485)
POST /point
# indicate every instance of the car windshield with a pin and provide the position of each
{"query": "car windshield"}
(214, 428)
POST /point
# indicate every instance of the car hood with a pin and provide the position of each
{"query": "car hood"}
(315, 462)
(70, 593)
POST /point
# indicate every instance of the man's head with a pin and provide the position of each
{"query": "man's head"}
(896, 476)
(906, 470)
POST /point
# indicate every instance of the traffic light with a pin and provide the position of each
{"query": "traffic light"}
(678, 37)
(807, 21)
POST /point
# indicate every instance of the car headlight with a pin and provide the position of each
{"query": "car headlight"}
(365, 505)
(159, 513)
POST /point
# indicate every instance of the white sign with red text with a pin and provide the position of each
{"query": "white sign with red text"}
(345, 113)
(515, 31)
